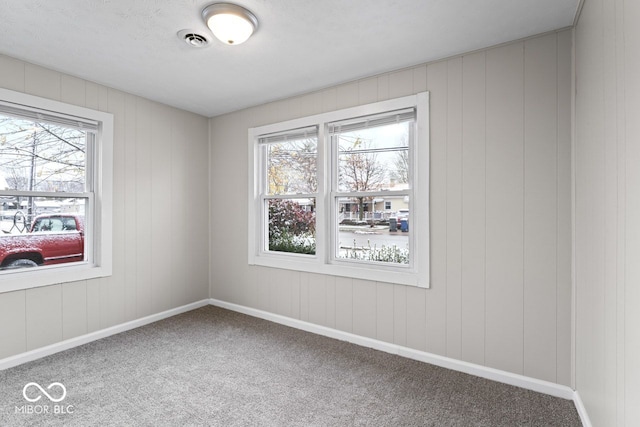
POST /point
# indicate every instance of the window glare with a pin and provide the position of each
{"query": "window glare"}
(292, 167)
(374, 159)
(41, 157)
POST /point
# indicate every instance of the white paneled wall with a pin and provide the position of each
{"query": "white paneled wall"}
(607, 211)
(500, 214)
(160, 241)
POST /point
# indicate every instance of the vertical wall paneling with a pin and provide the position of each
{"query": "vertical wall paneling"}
(384, 312)
(589, 215)
(317, 299)
(607, 211)
(472, 304)
(628, 12)
(283, 292)
(505, 204)
(12, 72)
(330, 301)
(347, 95)
(264, 286)
(436, 298)
(74, 309)
(91, 95)
(416, 318)
(364, 308)
(13, 312)
(162, 208)
(540, 206)
(564, 226)
(329, 100)
(44, 325)
(344, 304)
(383, 87)
(130, 211)
(368, 90)
(42, 82)
(454, 208)
(304, 296)
(400, 315)
(401, 83)
(420, 79)
(148, 275)
(93, 305)
(499, 210)
(73, 90)
(115, 289)
(143, 207)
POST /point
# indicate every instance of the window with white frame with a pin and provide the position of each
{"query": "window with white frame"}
(344, 193)
(55, 192)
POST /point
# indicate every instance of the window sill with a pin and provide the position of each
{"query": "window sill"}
(365, 272)
(49, 275)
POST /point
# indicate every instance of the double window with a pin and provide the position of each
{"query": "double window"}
(344, 193)
(55, 192)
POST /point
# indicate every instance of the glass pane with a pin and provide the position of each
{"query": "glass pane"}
(292, 225)
(36, 231)
(374, 159)
(369, 232)
(292, 166)
(41, 157)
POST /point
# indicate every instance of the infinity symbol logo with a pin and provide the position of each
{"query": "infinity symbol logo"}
(43, 391)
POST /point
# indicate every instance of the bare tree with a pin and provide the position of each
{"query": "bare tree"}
(52, 158)
(38, 156)
(292, 167)
(360, 170)
(401, 164)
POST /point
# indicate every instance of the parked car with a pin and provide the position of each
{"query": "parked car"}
(52, 239)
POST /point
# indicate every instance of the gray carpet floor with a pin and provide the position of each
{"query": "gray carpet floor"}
(214, 367)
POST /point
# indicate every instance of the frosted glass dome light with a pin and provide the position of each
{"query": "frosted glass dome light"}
(230, 23)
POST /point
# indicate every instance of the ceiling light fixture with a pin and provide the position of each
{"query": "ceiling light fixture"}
(230, 23)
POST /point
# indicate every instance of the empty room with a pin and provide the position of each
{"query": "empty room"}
(320, 213)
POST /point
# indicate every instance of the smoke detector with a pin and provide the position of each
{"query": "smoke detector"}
(193, 38)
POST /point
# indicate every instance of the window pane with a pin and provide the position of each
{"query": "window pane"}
(36, 231)
(292, 166)
(41, 157)
(368, 232)
(374, 159)
(292, 225)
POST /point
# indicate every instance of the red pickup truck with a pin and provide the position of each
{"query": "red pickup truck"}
(52, 239)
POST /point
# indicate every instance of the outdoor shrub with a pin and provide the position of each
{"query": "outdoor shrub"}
(291, 228)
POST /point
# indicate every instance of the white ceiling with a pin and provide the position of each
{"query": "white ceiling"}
(300, 45)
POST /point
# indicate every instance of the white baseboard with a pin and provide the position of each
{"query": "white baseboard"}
(38, 353)
(582, 411)
(522, 381)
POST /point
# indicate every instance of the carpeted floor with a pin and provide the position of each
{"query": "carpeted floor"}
(219, 368)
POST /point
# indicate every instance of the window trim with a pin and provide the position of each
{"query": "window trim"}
(98, 232)
(418, 274)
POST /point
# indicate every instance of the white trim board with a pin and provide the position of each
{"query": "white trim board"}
(41, 352)
(497, 375)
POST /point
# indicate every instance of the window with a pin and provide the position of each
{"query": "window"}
(370, 159)
(289, 192)
(55, 192)
(344, 193)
